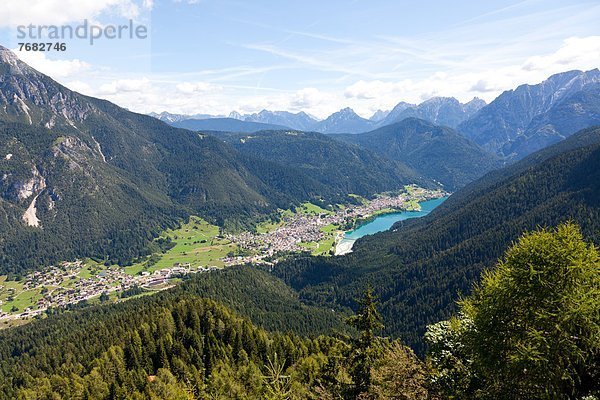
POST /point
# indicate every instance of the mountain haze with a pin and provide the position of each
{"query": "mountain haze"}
(170, 118)
(300, 121)
(344, 121)
(445, 111)
(224, 124)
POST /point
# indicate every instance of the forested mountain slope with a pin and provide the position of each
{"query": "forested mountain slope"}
(81, 176)
(436, 152)
(420, 267)
(264, 299)
(178, 345)
(172, 349)
(347, 168)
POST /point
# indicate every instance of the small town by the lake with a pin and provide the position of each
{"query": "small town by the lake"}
(198, 247)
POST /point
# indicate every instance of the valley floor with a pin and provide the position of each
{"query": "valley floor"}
(195, 247)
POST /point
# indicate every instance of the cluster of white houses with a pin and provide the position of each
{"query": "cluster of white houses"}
(62, 285)
(307, 228)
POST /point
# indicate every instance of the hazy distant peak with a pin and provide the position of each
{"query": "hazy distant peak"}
(439, 110)
(17, 67)
(235, 115)
(530, 117)
(440, 99)
(379, 115)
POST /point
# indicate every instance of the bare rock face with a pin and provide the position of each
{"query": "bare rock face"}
(30, 216)
(521, 121)
(36, 184)
(446, 111)
(34, 98)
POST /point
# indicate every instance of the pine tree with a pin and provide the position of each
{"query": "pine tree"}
(364, 349)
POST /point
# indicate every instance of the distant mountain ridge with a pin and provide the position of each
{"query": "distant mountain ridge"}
(225, 125)
(446, 111)
(516, 123)
(169, 118)
(300, 121)
(439, 110)
(344, 121)
(379, 115)
(530, 117)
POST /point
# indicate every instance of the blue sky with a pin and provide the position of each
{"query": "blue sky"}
(215, 56)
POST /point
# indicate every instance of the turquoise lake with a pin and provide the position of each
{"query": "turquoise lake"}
(385, 221)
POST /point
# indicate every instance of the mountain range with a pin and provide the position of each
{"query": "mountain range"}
(439, 110)
(169, 117)
(531, 117)
(81, 176)
(446, 111)
(300, 121)
(515, 124)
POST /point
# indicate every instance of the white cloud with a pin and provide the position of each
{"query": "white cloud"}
(197, 87)
(56, 12)
(483, 86)
(307, 98)
(367, 90)
(488, 82)
(80, 87)
(576, 52)
(56, 69)
(125, 86)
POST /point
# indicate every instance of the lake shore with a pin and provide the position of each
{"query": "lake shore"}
(381, 222)
(344, 246)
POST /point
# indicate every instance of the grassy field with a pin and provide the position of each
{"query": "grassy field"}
(196, 242)
(86, 271)
(310, 208)
(325, 245)
(10, 289)
(267, 226)
(23, 299)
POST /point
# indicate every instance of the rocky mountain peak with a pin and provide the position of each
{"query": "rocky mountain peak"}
(33, 98)
(236, 115)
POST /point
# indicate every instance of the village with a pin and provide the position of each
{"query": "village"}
(71, 283)
(299, 229)
(64, 284)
